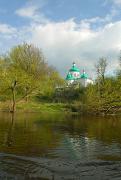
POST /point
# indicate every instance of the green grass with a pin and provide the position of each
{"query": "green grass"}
(33, 106)
(40, 107)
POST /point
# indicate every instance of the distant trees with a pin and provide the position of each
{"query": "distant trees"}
(24, 73)
(98, 94)
(101, 68)
(105, 95)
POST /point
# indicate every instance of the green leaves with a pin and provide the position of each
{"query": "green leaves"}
(25, 65)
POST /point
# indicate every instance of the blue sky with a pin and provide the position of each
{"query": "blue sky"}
(65, 30)
(56, 10)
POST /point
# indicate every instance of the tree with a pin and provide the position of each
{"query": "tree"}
(101, 70)
(24, 72)
(52, 82)
(11, 80)
(32, 62)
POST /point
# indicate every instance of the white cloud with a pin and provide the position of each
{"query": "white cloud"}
(98, 19)
(29, 11)
(7, 29)
(118, 2)
(32, 12)
(68, 41)
(65, 42)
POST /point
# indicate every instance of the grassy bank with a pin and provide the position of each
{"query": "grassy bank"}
(76, 107)
(34, 106)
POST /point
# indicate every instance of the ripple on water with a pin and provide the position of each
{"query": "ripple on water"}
(38, 147)
(17, 167)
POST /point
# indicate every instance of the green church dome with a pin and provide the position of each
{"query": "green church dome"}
(84, 75)
(69, 77)
(74, 68)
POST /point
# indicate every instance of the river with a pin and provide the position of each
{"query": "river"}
(59, 146)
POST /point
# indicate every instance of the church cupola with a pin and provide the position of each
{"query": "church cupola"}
(74, 76)
(84, 75)
(74, 68)
(69, 76)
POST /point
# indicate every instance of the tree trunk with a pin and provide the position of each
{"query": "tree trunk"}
(26, 98)
(13, 97)
(13, 100)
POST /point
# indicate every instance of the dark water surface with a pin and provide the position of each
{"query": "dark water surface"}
(55, 146)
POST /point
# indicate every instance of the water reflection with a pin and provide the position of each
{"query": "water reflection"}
(23, 135)
(37, 134)
(9, 139)
(53, 144)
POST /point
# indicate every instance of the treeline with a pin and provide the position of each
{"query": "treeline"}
(25, 73)
(104, 96)
(25, 76)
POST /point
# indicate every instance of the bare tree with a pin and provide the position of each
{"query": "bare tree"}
(101, 70)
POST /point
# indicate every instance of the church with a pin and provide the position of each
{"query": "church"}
(74, 76)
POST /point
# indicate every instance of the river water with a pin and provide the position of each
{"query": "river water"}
(58, 146)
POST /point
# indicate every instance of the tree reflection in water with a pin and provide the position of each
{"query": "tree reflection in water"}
(10, 137)
(32, 144)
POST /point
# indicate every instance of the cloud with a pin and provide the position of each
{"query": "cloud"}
(65, 42)
(7, 29)
(68, 41)
(101, 20)
(33, 12)
(117, 2)
(28, 12)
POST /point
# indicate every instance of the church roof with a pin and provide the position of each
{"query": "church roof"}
(84, 75)
(69, 77)
(74, 68)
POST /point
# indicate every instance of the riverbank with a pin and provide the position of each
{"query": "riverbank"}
(110, 109)
(78, 108)
(33, 106)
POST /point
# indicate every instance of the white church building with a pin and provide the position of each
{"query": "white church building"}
(75, 76)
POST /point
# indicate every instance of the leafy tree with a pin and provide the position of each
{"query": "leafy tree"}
(24, 72)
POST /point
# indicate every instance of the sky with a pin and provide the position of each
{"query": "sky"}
(65, 30)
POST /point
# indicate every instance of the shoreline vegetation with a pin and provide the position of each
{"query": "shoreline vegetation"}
(29, 84)
(34, 107)
(44, 107)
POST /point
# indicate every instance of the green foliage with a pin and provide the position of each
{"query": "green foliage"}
(104, 96)
(110, 100)
(24, 73)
